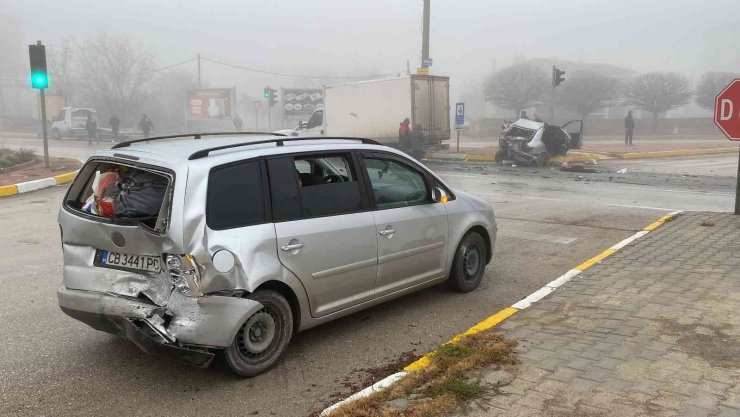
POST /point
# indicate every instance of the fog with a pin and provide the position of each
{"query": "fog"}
(469, 38)
(467, 35)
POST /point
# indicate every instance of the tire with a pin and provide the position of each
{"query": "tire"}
(499, 156)
(469, 263)
(56, 135)
(251, 356)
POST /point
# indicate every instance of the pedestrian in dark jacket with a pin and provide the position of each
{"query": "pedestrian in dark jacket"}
(146, 125)
(115, 124)
(417, 142)
(238, 123)
(404, 135)
(629, 128)
(91, 125)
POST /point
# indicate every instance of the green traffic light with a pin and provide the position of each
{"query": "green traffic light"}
(266, 94)
(39, 80)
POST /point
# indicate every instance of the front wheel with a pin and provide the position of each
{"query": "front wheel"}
(469, 263)
(263, 338)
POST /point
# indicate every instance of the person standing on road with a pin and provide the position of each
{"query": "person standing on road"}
(537, 118)
(115, 124)
(238, 123)
(92, 128)
(417, 142)
(404, 135)
(524, 115)
(629, 128)
(146, 125)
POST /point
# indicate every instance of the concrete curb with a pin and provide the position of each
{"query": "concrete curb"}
(28, 186)
(680, 152)
(585, 156)
(504, 314)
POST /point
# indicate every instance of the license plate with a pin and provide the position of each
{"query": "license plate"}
(125, 260)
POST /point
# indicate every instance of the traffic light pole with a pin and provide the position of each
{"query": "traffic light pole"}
(42, 98)
(269, 117)
(552, 106)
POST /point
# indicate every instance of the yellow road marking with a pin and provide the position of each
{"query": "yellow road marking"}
(596, 259)
(64, 178)
(657, 223)
(486, 324)
(7, 190)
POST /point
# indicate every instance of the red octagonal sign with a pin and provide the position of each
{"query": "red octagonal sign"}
(727, 110)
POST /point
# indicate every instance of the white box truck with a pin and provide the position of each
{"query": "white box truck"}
(374, 109)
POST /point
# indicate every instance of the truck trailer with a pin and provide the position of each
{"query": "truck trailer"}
(374, 109)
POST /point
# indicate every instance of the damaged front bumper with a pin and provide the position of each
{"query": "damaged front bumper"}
(186, 328)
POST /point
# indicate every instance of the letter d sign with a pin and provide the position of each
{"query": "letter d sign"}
(726, 109)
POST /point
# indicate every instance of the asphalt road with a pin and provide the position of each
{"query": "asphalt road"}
(549, 221)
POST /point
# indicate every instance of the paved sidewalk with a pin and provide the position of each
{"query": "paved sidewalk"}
(653, 330)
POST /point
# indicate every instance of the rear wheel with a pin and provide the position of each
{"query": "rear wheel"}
(499, 156)
(469, 263)
(263, 338)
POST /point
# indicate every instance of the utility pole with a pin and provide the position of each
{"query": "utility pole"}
(425, 36)
(199, 83)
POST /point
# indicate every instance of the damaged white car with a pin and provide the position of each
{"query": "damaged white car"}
(195, 244)
(533, 143)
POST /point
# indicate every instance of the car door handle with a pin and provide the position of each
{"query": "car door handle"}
(294, 246)
(387, 232)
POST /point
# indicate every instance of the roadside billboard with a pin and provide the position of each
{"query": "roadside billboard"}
(209, 104)
(299, 103)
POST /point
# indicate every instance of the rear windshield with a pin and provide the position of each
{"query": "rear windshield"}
(121, 193)
(519, 132)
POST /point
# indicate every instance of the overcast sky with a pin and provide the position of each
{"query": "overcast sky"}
(468, 36)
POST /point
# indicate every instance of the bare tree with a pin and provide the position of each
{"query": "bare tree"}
(517, 87)
(586, 92)
(61, 68)
(657, 92)
(166, 102)
(710, 85)
(114, 73)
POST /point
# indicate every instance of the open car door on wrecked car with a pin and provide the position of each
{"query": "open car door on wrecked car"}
(574, 128)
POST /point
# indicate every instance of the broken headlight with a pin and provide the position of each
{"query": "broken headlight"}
(184, 273)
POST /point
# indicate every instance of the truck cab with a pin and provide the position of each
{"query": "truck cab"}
(313, 127)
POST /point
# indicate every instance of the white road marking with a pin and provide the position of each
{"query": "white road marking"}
(629, 240)
(517, 196)
(540, 237)
(378, 386)
(642, 207)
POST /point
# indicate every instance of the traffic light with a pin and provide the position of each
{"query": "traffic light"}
(266, 92)
(39, 77)
(273, 97)
(557, 76)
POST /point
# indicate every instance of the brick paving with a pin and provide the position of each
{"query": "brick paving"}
(653, 330)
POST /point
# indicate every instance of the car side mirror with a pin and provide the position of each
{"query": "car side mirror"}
(439, 195)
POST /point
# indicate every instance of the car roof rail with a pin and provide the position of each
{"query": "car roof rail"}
(278, 142)
(193, 135)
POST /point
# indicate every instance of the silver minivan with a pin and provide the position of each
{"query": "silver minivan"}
(193, 244)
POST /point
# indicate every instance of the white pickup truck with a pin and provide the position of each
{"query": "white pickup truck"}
(70, 122)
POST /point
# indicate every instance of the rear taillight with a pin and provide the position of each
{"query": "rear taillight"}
(185, 274)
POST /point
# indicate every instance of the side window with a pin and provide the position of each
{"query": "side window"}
(331, 188)
(303, 167)
(395, 184)
(235, 196)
